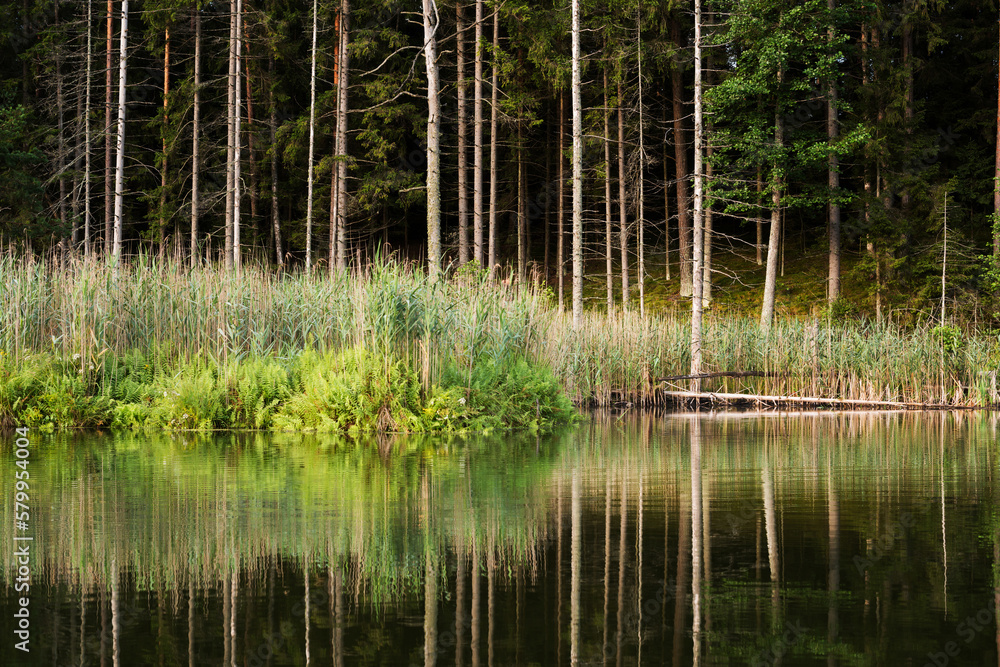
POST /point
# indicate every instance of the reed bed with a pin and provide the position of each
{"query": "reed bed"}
(463, 335)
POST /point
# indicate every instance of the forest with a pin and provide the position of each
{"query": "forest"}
(854, 135)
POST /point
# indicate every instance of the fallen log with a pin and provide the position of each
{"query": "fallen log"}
(721, 374)
(809, 400)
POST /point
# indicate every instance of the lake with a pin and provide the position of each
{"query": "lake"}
(664, 539)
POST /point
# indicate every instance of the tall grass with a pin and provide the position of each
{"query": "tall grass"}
(467, 333)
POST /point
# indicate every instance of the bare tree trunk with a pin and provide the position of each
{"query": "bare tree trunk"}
(622, 209)
(60, 129)
(577, 175)
(774, 239)
(196, 138)
(163, 132)
(342, 118)
(833, 174)
(230, 134)
(522, 258)
(237, 139)
(607, 199)
(433, 142)
(463, 194)
(493, 147)
(477, 143)
(273, 129)
(108, 192)
(120, 163)
(696, 254)
(334, 170)
(547, 195)
(641, 222)
(706, 232)
(680, 160)
(312, 139)
(251, 162)
(996, 183)
(666, 204)
(86, 136)
(760, 219)
(559, 215)
(76, 188)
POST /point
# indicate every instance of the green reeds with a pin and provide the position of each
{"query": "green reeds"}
(463, 338)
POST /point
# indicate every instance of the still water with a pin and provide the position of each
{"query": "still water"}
(720, 539)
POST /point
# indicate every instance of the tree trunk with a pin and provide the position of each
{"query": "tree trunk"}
(196, 138)
(312, 138)
(251, 162)
(760, 218)
(522, 259)
(641, 221)
(577, 175)
(335, 169)
(696, 232)
(342, 118)
(273, 130)
(163, 132)
(608, 234)
(680, 160)
(559, 215)
(833, 173)
(60, 130)
(477, 143)
(433, 142)
(120, 163)
(547, 198)
(86, 137)
(463, 195)
(666, 204)
(774, 239)
(230, 134)
(108, 192)
(996, 182)
(237, 139)
(622, 210)
(493, 147)
(708, 220)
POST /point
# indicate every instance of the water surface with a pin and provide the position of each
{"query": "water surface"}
(721, 539)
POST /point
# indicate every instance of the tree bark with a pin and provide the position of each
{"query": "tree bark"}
(760, 218)
(120, 162)
(493, 147)
(342, 126)
(680, 160)
(696, 232)
(108, 192)
(86, 137)
(622, 208)
(60, 130)
(641, 221)
(608, 234)
(577, 175)
(273, 130)
(774, 238)
(237, 139)
(251, 162)
(312, 138)
(196, 138)
(477, 143)
(666, 204)
(163, 133)
(559, 214)
(433, 142)
(335, 169)
(230, 147)
(522, 258)
(463, 195)
(833, 173)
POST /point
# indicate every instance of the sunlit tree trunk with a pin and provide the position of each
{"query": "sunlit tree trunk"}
(641, 221)
(272, 135)
(493, 147)
(60, 129)
(577, 175)
(312, 138)
(433, 141)
(164, 128)
(477, 142)
(108, 183)
(608, 234)
(559, 215)
(774, 238)
(237, 138)
(697, 256)
(833, 177)
(196, 138)
(120, 163)
(342, 123)
(622, 208)
(335, 170)
(680, 161)
(463, 194)
(86, 137)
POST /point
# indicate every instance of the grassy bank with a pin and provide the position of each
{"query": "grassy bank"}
(158, 345)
